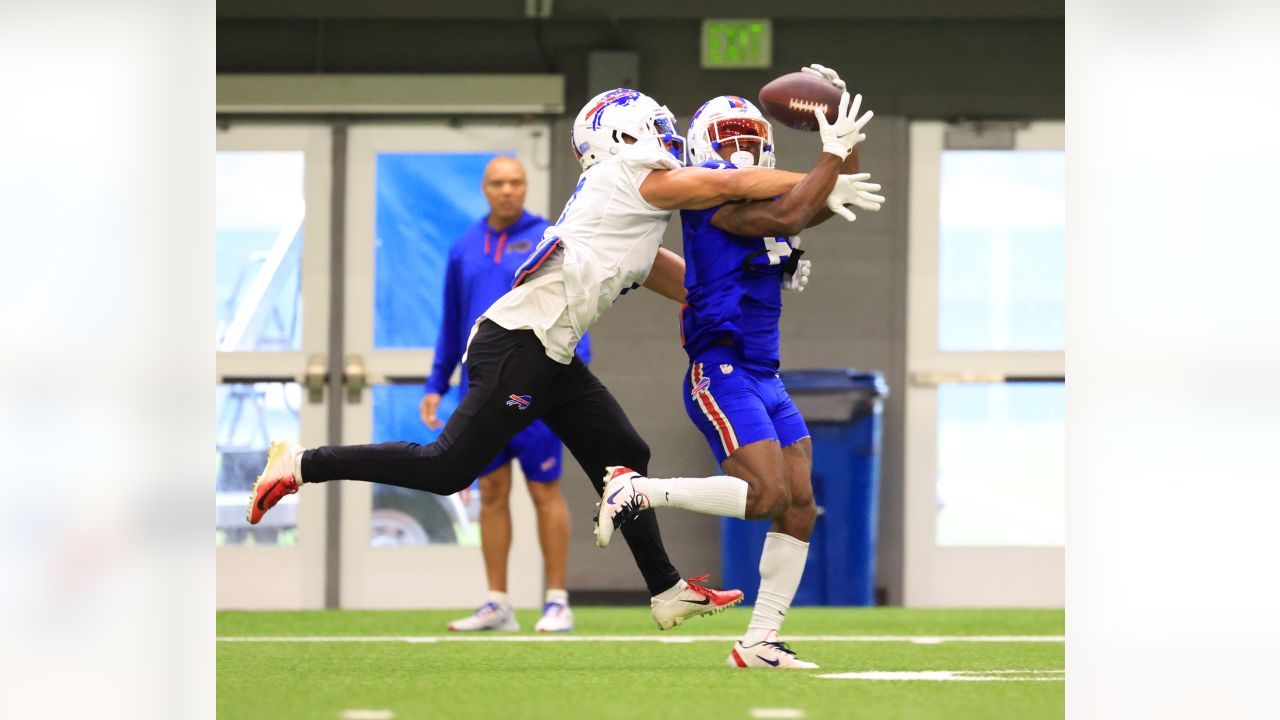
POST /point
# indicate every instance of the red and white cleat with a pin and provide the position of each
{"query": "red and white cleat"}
(618, 503)
(692, 601)
(278, 479)
(768, 653)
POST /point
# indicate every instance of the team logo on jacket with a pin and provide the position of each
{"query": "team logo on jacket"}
(520, 247)
(726, 368)
(520, 402)
(703, 385)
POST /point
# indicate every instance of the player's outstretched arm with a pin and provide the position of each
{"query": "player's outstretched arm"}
(698, 188)
(787, 215)
(850, 166)
(667, 275)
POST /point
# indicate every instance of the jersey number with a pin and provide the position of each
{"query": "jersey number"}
(777, 250)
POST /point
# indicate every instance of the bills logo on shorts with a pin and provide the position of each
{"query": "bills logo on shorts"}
(701, 387)
(726, 368)
(519, 402)
(711, 410)
(547, 464)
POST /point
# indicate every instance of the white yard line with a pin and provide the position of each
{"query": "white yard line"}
(366, 715)
(953, 675)
(917, 639)
(777, 713)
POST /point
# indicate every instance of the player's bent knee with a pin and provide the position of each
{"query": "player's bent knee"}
(767, 500)
(545, 494)
(804, 508)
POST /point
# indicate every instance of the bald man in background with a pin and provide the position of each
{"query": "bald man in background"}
(482, 265)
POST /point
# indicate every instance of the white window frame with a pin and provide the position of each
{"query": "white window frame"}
(287, 578)
(959, 576)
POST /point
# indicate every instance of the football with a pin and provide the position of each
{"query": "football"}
(792, 98)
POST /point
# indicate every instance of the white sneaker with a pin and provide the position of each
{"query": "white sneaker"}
(489, 616)
(768, 653)
(556, 617)
(619, 503)
(694, 600)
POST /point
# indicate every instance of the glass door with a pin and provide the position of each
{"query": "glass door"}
(985, 494)
(411, 191)
(271, 268)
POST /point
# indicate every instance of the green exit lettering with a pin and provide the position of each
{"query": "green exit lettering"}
(737, 44)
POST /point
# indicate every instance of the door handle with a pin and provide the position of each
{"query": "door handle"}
(354, 378)
(936, 379)
(316, 378)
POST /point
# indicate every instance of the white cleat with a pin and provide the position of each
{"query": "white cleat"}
(556, 617)
(768, 653)
(619, 503)
(278, 478)
(693, 600)
(489, 616)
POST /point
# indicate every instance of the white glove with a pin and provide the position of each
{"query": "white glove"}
(826, 73)
(854, 190)
(839, 138)
(795, 282)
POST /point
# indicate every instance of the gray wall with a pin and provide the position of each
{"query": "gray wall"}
(923, 58)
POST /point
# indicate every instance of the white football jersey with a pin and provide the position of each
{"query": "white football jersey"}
(603, 245)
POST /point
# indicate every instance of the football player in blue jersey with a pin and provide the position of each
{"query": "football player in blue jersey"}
(738, 257)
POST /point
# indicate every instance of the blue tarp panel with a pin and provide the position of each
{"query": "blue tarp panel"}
(424, 202)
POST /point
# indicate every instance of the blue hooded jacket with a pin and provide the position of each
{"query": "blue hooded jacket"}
(482, 264)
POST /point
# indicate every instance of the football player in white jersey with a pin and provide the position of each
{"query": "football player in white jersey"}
(520, 361)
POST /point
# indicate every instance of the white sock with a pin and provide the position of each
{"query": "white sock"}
(781, 565)
(717, 495)
(498, 597)
(559, 595)
(672, 591)
(297, 467)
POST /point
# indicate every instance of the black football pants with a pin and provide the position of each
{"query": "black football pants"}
(512, 383)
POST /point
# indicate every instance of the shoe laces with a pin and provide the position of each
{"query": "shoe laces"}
(631, 508)
(283, 486)
(780, 647)
(692, 584)
(487, 608)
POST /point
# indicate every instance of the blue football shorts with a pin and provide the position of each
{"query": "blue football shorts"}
(735, 405)
(538, 450)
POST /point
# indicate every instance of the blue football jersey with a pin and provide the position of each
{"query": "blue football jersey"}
(735, 287)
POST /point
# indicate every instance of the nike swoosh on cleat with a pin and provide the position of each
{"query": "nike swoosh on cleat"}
(261, 499)
(771, 662)
(614, 495)
(703, 601)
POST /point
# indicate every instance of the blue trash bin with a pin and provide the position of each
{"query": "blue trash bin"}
(843, 409)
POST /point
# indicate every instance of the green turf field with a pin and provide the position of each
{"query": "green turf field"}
(403, 674)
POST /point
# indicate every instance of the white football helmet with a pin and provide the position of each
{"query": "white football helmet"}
(600, 125)
(730, 119)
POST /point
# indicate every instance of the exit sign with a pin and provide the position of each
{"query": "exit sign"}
(728, 44)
